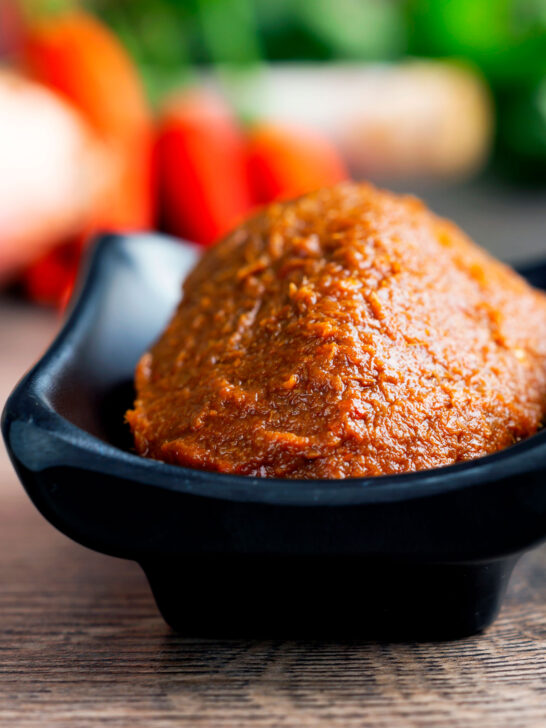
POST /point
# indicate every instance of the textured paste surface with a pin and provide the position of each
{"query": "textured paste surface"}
(348, 333)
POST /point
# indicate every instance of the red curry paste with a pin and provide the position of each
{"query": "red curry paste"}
(347, 333)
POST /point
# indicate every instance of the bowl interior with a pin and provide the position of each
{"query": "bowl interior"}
(131, 289)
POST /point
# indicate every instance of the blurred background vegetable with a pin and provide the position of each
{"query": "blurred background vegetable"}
(52, 174)
(286, 161)
(80, 58)
(202, 167)
(186, 114)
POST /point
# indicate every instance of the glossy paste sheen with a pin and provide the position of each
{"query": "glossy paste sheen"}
(344, 334)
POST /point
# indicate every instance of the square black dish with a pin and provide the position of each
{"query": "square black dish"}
(420, 555)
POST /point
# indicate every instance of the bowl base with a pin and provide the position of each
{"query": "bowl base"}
(344, 597)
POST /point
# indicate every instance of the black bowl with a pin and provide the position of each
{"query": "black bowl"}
(419, 555)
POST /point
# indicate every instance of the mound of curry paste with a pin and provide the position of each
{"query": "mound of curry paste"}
(347, 333)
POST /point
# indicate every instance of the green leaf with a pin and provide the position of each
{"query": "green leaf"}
(230, 31)
(362, 29)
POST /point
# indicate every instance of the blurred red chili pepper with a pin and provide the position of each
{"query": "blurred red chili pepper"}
(203, 179)
(286, 161)
(50, 279)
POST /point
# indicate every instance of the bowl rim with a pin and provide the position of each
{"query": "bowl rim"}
(71, 446)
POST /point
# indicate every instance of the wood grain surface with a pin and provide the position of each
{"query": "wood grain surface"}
(83, 645)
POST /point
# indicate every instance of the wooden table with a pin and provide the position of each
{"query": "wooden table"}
(83, 645)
